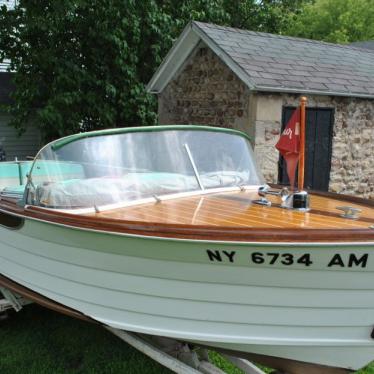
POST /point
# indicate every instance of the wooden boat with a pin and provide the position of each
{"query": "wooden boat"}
(171, 231)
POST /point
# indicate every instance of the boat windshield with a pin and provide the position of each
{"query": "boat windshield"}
(107, 169)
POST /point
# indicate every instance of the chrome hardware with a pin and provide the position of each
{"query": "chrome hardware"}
(283, 193)
(301, 201)
(262, 201)
(349, 212)
(297, 201)
(157, 198)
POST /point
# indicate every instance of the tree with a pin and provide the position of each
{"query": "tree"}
(77, 63)
(83, 64)
(334, 21)
(266, 15)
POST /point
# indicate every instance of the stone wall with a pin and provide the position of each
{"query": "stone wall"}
(205, 91)
(266, 126)
(352, 164)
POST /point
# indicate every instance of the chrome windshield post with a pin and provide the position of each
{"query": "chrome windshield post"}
(194, 166)
(27, 192)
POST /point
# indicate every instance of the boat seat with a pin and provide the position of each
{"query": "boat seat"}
(13, 173)
(14, 191)
(74, 193)
(110, 190)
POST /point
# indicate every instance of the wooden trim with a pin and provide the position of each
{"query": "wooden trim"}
(346, 198)
(317, 211)
(337, 215)
(335, 196)
(303, 101)
(41, 300)
(201, 232)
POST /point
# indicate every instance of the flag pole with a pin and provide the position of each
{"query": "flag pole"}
(303, 101)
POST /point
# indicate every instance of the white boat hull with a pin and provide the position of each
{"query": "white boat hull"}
(318, 313)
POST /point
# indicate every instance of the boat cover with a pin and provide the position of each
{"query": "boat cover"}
(110, 190)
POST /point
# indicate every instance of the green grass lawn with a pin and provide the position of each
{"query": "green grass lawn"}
(38, 341)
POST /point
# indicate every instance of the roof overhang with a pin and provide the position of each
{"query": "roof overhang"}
(190, 38)
(181, 50)
(301, 91)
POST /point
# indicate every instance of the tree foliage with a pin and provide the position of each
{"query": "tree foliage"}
(83, 64)
(335, 21)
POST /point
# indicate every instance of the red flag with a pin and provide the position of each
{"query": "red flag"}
(289, 145)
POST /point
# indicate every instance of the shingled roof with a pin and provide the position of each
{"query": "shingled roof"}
(274, 63)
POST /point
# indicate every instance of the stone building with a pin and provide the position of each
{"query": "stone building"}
(252, 81)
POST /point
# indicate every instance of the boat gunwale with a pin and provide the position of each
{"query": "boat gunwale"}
(197, 232)
(333, 195)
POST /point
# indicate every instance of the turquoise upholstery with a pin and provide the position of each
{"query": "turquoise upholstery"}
(14, 190)
(13, 175)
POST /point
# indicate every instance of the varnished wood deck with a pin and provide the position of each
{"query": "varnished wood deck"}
(237, 210)
(224, 216)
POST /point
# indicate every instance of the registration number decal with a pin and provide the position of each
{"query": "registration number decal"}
(348, 260)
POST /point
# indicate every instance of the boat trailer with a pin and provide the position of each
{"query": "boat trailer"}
(11, 301)
(179, 357)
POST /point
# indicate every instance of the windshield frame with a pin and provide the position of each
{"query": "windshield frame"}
(60, 143)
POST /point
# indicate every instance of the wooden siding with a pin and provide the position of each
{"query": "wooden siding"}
(27, 144)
